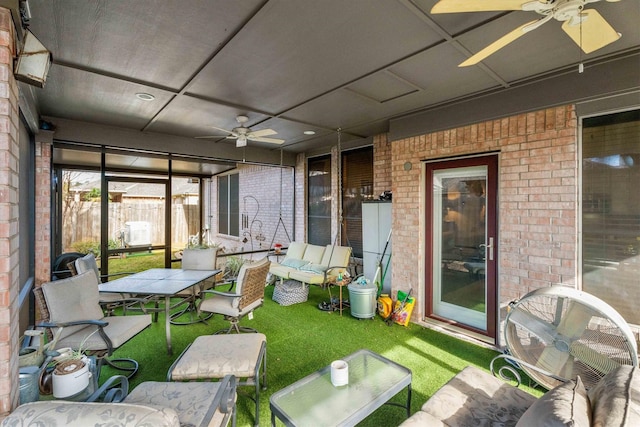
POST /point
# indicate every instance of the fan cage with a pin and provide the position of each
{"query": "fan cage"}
(604, 342)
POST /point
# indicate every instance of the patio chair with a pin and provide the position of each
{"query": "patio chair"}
(108, 300)
(248, 295)
(195, 259)
(70, 309)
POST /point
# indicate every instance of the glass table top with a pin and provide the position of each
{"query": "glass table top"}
(315, 401)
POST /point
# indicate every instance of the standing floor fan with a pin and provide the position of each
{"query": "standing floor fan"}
(558, 333)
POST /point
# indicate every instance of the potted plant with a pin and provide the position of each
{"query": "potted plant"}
(71, 373)
(232, 267)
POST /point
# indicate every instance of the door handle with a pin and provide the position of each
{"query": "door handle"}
(488, 247)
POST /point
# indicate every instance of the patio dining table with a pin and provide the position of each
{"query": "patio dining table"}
(159, 282)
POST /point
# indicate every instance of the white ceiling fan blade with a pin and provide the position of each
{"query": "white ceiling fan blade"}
(593, 33)
(210, 136)
(452, 6)
(269, 140)
(501, 42)
(221, 129)
(262, 132)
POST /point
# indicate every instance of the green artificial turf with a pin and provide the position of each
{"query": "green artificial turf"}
(302, 339)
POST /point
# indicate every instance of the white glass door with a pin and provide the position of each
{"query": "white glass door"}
(462, 276)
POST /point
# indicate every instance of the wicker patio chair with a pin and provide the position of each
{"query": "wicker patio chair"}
(248, 295)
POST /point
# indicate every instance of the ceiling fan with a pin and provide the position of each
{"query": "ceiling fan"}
(242, 134)
(587, 28)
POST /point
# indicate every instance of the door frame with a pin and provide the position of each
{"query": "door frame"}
(491, 161)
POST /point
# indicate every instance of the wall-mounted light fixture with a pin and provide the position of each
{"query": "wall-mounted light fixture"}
(33, 61)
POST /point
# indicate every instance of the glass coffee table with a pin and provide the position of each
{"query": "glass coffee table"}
(314, 401)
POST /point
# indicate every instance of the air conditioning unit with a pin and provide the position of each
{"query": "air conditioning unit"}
(137, 233)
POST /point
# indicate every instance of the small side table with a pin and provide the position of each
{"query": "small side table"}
(340, 283)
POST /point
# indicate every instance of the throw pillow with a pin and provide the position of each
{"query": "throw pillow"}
(294, 263)
(565, 405)
(613, 398)
(314, 268)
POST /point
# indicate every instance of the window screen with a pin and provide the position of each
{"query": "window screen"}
(319, 191)
(357, 186)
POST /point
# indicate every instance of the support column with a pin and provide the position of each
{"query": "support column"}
(9, 193)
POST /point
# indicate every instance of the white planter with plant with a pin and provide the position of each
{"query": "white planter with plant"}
(70, 376)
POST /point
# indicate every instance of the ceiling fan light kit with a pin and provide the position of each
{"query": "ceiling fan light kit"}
(243, 134)
(587, 28)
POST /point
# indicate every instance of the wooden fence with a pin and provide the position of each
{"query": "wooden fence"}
(81, 222)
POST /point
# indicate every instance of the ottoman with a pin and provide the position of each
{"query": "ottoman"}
(212, 357)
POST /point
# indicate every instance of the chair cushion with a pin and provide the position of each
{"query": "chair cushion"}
(214, 356)
(72, 299)
(615, 398)
(227, 306)
(199, 259)
(191, 401)
(565, 405)
(119, 330)
(58, 413)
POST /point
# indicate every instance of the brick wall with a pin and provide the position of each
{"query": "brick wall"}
(537, 198)
(43, 207)
(260, 200)
(381, 164)
(9, 193)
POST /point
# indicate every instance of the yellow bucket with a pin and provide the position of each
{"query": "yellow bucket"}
(385, 305)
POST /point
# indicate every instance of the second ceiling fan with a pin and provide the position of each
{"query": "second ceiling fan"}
(242, 134)
(587, 28)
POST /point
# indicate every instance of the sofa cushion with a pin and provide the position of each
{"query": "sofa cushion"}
(80, 414)
(422, 419)
(565, 405)
(616, 397)
(307, 276)
(475, 397)
(336, 256)
(313, 253)
(296, 250)
(280, 270)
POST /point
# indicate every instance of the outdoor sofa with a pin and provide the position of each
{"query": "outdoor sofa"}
(476, 398)
(312, 264)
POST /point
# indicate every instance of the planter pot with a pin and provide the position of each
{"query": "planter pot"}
(70, 378)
